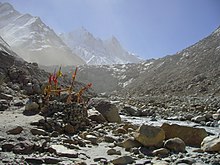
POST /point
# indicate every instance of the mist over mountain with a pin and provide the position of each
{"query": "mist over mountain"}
(96, 51)
(34, 41)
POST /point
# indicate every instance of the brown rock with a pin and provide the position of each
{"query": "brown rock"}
(161, 152)
(120, 130)
(15, 131)
(93, 139)
(150, 135)
(24, 147)
(211, 144)
(191, 136)
(113, 152)
(36, 131)
(95, 115)
(123, 160)
(130, 143)
(8, 146)
(107, 109)
(109, 139)
(175, 144)
(31, 109)
(68, 128)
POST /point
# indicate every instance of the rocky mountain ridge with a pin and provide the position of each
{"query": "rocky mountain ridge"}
(192, 71)
(96, 51)
(29, 37)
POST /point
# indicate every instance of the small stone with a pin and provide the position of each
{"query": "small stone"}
(120, 130)
(15, 131)
(2, 138)
(123, 160)
(199, 119)
(51, 160)
(61, 150)
(113, 152)
(23, 147)
(31, 108)
(68, 128)
(3, 105)
(33, 160)
(109, 139)
(93, 139)
(8, 146)
(130, 143)
(6, 96)
(216, 116)
(36, 131)
(161, 152)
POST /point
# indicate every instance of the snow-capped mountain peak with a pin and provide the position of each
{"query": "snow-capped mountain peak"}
(96, 51)
(33, 40)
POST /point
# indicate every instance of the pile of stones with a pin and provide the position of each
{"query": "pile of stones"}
(63, 118)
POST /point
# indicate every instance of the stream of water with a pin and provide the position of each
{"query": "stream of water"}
(159, 122)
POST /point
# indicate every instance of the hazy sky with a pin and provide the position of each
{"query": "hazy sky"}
(149, 28)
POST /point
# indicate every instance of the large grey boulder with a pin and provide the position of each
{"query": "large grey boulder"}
(191, 136)
(108, 110)
(150, 136)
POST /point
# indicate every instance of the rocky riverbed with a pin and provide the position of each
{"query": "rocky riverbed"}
(147, 130)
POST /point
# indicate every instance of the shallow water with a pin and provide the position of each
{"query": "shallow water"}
(159, 122)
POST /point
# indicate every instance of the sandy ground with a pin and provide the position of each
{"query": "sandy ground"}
(9, 119)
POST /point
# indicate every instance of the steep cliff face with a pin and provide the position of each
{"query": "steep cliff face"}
(29, 37)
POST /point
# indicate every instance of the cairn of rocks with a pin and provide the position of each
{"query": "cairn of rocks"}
(63, 118)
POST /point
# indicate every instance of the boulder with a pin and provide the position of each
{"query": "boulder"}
(191, 136)
(31, 108)
(211, 144)
(131, 110)
(109, 111)
(130, 143)
(123, 160)
(150, 136)
(15, 131)
(95, 115)
(175, 145)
